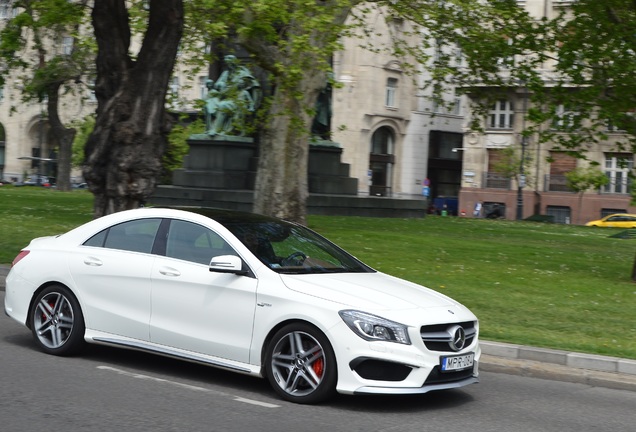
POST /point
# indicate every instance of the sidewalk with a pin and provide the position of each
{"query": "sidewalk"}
(593, 370)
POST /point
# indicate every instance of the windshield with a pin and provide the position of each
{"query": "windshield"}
(293, 249)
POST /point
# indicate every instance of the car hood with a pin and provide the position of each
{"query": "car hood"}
(368, 291)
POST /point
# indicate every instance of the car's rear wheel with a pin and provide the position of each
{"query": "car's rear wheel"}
(300, 364)
(57, 322)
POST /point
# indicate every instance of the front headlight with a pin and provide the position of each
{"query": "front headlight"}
(374, 328)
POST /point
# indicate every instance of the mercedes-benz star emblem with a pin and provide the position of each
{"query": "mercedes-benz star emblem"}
(458, 340)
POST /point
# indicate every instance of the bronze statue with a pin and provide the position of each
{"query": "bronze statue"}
(231, 99)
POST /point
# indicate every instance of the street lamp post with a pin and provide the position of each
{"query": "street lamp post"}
(522, 178)
(521, 183)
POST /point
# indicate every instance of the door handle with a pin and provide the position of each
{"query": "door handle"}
(169, 271)
(92, 261)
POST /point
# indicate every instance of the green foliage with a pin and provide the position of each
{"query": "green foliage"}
(84, 128)
(510, 165)
(510, 50)
(40, 26)
(582, 179)
(178, 147)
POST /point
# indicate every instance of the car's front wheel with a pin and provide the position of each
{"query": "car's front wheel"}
(300, 364)
(57, 322)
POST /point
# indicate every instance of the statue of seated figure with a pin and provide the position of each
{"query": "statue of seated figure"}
(231, 99)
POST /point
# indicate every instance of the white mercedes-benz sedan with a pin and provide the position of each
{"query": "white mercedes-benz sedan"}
(243, 292)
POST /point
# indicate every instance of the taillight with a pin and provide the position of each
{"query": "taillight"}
(21, 255)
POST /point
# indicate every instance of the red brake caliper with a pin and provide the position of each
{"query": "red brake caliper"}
(319, 367)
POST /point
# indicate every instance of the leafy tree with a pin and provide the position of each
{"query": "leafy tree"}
(576, 69)
(582, 179)
(123, 154)
(511, 165)
(595, 58)
(289, 41)
(39, 28)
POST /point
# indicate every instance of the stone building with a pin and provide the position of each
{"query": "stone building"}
(545, 192)
(398, 143)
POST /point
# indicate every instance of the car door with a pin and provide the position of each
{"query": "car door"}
(195, 309)
(113, 270)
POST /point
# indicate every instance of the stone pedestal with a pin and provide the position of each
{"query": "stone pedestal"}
(221, 172)
(227, 162)
(218, 163)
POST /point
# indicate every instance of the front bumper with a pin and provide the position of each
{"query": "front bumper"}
(390, 368)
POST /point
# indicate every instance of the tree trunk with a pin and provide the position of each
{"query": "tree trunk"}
(281, 179)
(64, 138)
(123, 154)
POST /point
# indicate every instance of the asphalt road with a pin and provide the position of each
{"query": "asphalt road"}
(109, 389)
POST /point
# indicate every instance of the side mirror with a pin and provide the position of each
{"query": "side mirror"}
(227, 264)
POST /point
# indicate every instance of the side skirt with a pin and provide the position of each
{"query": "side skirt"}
(174, 353)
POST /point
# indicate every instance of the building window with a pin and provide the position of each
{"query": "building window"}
(501, 115)
(447, 107)
(174, 93)
(67, 45)
(203, 89)
(562, 163)
(6, 9)
(507, 61)
(457, 103)
(566, 118)
(617, 169)
(561, 214)
(459, 57)
(91, 90)
(391, 90)
(611, 211)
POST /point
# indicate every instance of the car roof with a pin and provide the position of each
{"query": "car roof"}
(224, 216)
(203, 215)
(622, 214)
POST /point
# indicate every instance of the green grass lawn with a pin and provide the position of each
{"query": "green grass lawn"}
(547, 285)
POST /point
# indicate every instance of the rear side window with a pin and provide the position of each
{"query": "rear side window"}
(135, 236)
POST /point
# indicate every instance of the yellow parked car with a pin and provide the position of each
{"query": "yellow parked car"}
(619, 220)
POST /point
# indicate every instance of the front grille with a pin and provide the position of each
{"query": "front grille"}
(439, 337)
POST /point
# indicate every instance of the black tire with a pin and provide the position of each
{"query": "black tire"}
(57, 322)
(300, 364)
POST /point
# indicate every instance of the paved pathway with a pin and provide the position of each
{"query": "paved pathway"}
(594, 370)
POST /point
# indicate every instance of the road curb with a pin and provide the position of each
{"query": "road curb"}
(589, 369)
(562, 358)
(4, 271)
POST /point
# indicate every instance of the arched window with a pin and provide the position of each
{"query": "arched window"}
(381, 162)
